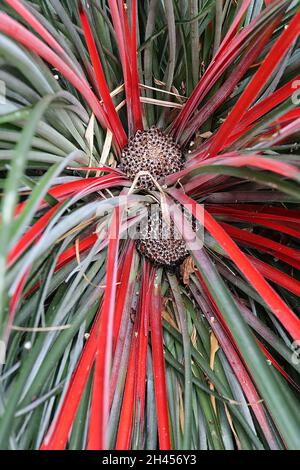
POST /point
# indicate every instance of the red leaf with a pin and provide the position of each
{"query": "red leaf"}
(127, 49)
(85, 185)
(287, 117)
(286, 316)
(233, 355)
(235, 160)
(20, 34)
(282, 214)
(277, 276)
(38, 27)
(57, 435)
(136, 103)
(278, 366)
(126, 416)
(97, 435)
(227, 52)
(31, 235)
(283, 132)
(111, 113)
(264, 106)
(289, 255)
(122, 290)
(285, 224)
(256, 84)
(144, 307)
(159, 371)
(70, 253)
(233, 27)
(228, 86)
(134, 394)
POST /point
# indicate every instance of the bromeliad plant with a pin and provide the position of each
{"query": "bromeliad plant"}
(155, 343)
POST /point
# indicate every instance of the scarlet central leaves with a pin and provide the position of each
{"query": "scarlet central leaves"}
(154, 152)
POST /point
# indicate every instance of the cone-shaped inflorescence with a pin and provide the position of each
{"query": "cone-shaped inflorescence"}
(151, 151)
(159, 241)
(158, 154)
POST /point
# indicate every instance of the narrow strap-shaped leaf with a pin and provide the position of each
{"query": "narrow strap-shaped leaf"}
(264, 106)
(258, 81)
(98, 435)
(82, 185)
(126, 42)
(238, 161)
(213, 315)
(143, 333)
(287, 254)
(126, 416)
(228, 86)
(13, 29)
(38, 27)
(10, 197)
(111, 113)
(136, 103)
(286, 316)
(31, 235)
(229, 49)
(279, 398)
(159, 370)
(277, 305)
(276, 276)
(57, 435)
